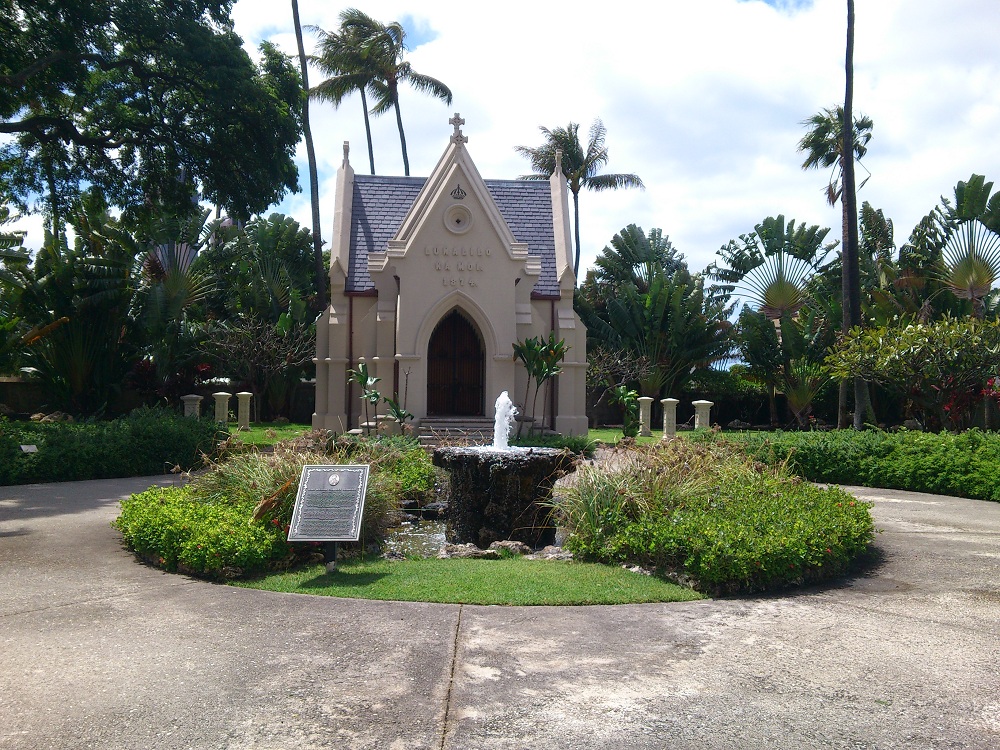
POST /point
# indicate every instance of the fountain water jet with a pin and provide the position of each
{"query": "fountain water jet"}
(498, 492)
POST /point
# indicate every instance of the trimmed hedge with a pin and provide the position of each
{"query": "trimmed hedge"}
(148, 441)
(966, 464)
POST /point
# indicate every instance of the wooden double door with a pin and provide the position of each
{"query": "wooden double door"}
(455, 368)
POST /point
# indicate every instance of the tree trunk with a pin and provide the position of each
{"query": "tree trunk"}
(576, 232)
(368, 129)
(852, 272)
(402, 137)
(317, 237)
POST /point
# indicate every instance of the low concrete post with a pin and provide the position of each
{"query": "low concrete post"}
(669, 417)
(192, 405)
(702, 411)
(243, 410)
(222, 406)
(645, 404)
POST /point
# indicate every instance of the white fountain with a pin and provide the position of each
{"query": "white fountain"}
(503, 422)
(498, 491)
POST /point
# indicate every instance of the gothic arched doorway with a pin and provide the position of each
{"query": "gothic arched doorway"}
(455, 368)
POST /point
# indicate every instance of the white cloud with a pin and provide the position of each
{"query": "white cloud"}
(704, 100)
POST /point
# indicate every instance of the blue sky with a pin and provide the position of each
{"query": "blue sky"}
(704, 100)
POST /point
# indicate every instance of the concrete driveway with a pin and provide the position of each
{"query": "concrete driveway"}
(99, 651)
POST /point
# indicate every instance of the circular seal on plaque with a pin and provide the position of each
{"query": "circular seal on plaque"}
(334, 480)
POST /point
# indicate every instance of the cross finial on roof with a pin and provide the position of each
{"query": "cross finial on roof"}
(457, 136)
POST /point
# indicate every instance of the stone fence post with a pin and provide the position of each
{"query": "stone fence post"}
(243, 410)
(669, 417)
(645, 403)
(192, 405)
(222, 406)
(702, 411)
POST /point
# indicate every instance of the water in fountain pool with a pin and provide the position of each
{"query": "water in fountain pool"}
(416, 538)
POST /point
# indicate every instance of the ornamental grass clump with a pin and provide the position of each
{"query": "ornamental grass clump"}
(708, 515)
(232, 520)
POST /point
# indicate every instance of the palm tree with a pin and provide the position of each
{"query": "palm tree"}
(824, 145)
(580, 166)
(341, 57)
(311, 155)
(380, 49)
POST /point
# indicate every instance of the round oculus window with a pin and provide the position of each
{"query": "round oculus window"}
(458, 219)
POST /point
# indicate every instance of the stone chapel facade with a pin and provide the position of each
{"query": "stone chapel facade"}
(433, 280)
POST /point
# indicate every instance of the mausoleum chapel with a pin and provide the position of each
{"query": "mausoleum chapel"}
(434, 279)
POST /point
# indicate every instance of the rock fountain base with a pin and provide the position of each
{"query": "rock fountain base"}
(499, 494)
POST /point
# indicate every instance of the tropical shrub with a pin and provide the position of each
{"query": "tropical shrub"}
(940, 367)
(708, 515)
(232, 520)
(147, 441)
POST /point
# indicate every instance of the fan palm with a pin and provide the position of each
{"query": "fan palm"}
(633, 257)
(562, 147)
(773, 265)
(971, 255)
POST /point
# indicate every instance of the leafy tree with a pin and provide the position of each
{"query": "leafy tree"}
(141, 99)
(263, 285)
(563, 151)
(79, 301)
(941, 368)
(376, 63)
(260, 271)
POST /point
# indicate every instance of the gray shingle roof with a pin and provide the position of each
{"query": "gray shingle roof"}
(381, 203)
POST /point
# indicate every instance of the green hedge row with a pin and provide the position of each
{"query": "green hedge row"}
(966, 464)
(147, 441)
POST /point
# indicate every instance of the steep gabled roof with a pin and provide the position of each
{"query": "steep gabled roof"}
(380, 204)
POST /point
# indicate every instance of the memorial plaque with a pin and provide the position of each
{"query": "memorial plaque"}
(329, 504)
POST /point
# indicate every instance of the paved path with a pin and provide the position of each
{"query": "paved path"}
(99, 651)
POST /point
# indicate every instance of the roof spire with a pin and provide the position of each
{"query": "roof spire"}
(347, 151)
(558, 169)
(457, 136)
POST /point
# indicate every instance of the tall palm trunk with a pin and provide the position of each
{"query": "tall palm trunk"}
(320, 271)
(576, 232)
(368, 129)
(394, 94)
(852, 272)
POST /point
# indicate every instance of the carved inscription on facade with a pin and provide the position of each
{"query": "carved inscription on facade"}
(459, 266)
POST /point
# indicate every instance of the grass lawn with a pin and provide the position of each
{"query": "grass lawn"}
(510, 582)
(263, 434)
(610, 436)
